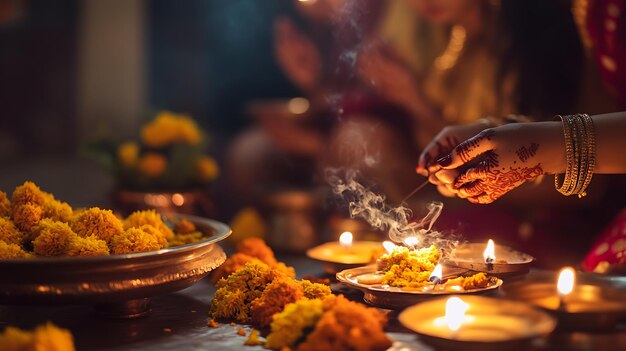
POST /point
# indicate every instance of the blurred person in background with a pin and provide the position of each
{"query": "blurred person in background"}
(603, 31)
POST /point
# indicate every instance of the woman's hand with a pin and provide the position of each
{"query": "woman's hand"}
(444, 142)
(297, 55)
(498, 160)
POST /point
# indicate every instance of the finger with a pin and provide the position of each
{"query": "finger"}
(432, 177)
(472, 189)
(447, 176)
(474, 174)
(443, 190)
(482, 199)
(468, 150)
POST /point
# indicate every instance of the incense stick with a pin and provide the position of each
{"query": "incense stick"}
(419, 187)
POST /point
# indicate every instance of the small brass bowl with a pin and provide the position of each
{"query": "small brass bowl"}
(596, 303)
(117, 285)
(508, 260)
(492, 324)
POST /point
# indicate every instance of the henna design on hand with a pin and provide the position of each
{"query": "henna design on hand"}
(464, 150)
(485, 183)
(524, 153)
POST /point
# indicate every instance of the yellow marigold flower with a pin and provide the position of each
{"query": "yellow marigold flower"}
(128, 153)
(289, 325)
(53, 238)
(168, 128)
(188, 130)
(152, 164)
(89, 246)
(45, 337)
(11, 251)
(5, 205)
(26, 216)
(8, 232)
(28, 192)
(207, 169)
(150, 217)
(134, 240)
(101, 223)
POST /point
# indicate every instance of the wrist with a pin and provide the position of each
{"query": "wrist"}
(554, 159)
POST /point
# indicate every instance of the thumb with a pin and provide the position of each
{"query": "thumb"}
(468, 150)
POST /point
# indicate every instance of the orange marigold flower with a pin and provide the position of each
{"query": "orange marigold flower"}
(150, 217)
(101, 223)
(5, 205)
(128, 154)
(53, 238)
(28, 192)
(9, 232)
(12, 251)
(133, 240)
(207, 169)
(27, 216)
(89, 246)
(152, 164)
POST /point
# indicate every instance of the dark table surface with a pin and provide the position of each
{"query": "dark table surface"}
(178, 321)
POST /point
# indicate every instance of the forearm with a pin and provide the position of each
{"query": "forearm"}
(610, 131)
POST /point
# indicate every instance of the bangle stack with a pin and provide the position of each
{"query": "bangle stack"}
(580, 151)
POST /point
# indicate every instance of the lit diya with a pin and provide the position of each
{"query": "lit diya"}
(405, 276)
(490, 258)
(477, 323)
(591, 303)
(346, 253)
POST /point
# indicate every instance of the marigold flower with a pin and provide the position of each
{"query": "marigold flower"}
(9, 232)
(44, 337)
(168, 128)
(53, 238)
(89, 246)
(5, 205)
(134, 240)
(152, 164)
(101, 223)
(150, 217)
(207, 169)
(128, 154)
(12, 251)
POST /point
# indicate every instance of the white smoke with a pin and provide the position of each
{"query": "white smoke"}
(394, 220)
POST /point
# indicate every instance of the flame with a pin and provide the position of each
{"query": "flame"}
(389, 246)
(411, 242)
(565, 285)
(345, 239)
(489, 254)
(437, 273)
(455, 313)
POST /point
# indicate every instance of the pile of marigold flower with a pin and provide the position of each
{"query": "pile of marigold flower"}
(34, 223)
(252, 287)
(170, 154)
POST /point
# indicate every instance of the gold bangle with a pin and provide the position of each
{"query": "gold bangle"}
(569, 155)
(590, 136)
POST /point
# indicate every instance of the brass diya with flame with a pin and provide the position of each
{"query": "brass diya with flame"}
(580, 301)
(498, 260)
(477, 323)
(346, 253)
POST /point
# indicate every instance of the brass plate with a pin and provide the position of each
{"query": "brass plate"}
(114, 278)
(391, 297)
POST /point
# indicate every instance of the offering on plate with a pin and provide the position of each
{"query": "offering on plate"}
(489, 258)
(477, 323)
(404, 276)
(592, 303)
